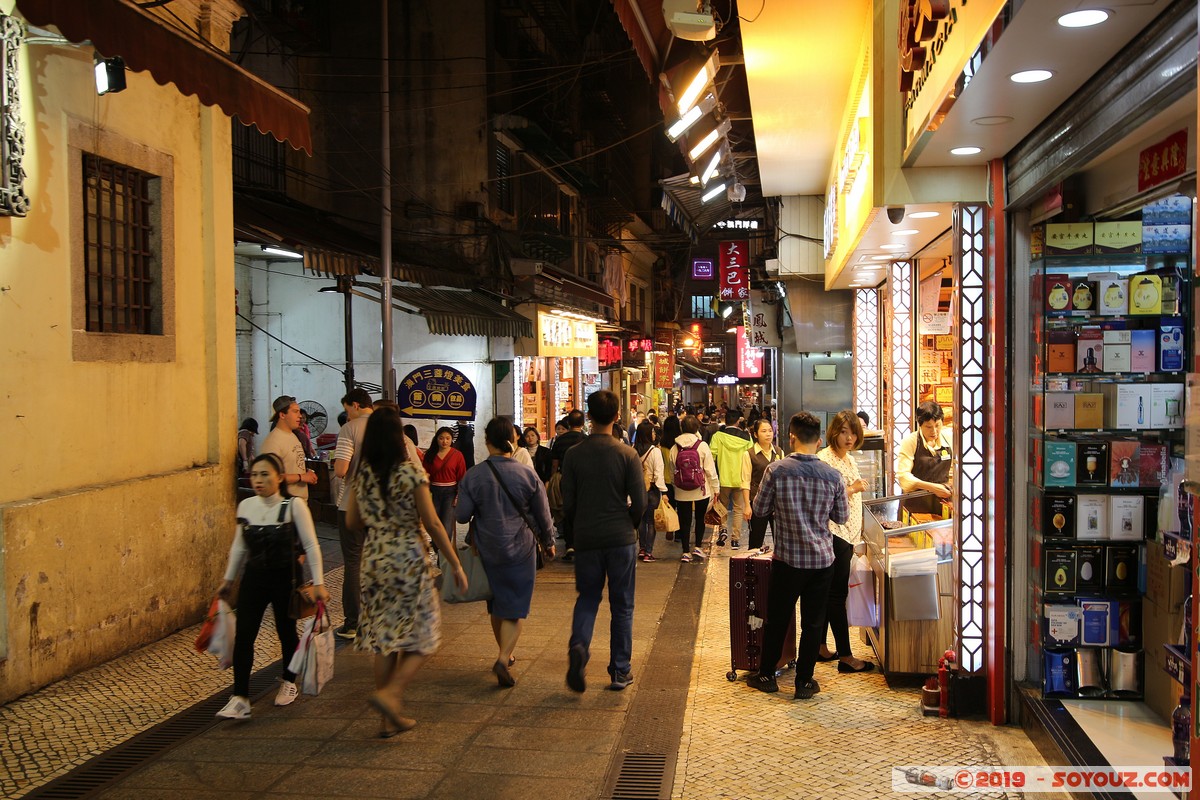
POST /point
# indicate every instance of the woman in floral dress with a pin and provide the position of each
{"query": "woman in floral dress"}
(400, 619)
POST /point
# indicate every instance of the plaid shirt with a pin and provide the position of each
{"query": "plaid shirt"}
(802, 494)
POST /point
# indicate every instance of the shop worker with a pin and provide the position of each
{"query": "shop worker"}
(803, 495)
(730, 448)
(925, 460)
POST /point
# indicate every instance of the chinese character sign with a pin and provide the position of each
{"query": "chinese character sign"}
(749, 359)
(1163, 161)
(764, 328)
(609, 353)
(702, 269)
(735, 270)
(636, 350)
(664, 370)
(436, 391)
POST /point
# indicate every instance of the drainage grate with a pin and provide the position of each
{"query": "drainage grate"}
(641, 777)
(112, 765)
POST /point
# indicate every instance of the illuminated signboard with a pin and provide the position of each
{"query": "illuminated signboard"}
(735, 272)
(636, 350)
(725, 380)
(560, 337)
(436, 391)
(703, 269)
(609, 353)
(749, 359)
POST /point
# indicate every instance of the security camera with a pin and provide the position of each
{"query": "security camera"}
(895, 214)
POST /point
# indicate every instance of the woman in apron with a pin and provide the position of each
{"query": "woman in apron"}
(925, 461)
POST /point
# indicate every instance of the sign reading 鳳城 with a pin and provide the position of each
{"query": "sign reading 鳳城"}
(734, 258)
(609, 353)
(664, 370)
(764, 330)
(749, 359)
(1163, 160)
(636, 350)
(702, 269)
(436, 391)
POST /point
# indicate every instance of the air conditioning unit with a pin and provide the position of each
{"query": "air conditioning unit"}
(687, 20)
(527, 266)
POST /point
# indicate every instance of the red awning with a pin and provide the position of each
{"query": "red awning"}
(117, 28)
(643, 21)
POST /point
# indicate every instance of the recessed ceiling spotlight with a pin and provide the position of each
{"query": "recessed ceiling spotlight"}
(1031, 76)
(909, 232)
(996, 120)
(892, 246)
(965, 151)
(924, 214)
(1083, 18)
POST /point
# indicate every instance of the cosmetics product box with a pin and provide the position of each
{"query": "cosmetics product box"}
(1060, 410)
(1126, 629)
(1121, 567)
(1124, 463)
(1092, 464)
(1119, 237)
(1173, 210)
(1126, 514)
(1098, 616)
(1089, 350)
(1062, 624)
(1127, 405)
(1037, 242)
(1091, 566)
(1058, 292)
(1083, 296)
(1166, 405)
(1170, 345)
(1112, 293)
(1059, 673)
(1060, 351)
(1153, 464)
(1145, 294)
(1058, 515)
(1142, 350)
(1060, 566)
(1089, 410)
(1166, 239)
(1060, 463)
(1171, 299)
(1070, 239)
(1117, 350)
(1091, 516)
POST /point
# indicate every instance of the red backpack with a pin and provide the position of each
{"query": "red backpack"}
(689, 472)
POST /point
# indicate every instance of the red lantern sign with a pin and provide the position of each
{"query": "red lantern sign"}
(735, 270)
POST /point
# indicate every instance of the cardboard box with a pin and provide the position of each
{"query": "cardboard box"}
(1166, 585)
(1172, 300)
(1142, 350)
(1127, 406)
(1058, 515)
(1098, 616)
(1170, 345)
(1145, 294)
(1060, 351)
(1091, 516)
(1062, 624)
(1060, 463)
(1117, 350)
(1119, 237)
(1091, 566)
(1112, 293)
(1124, 464)
(1089, 350)
(1070, 239)
(1166, 239)
(1121, 567)
(1060, 410)
(1174, 209)
(1166, 405)
(1089, 411)
(1060, 565)
(1058, 292)
(1037, 242)
(1092, 464)
(1126, 516)
(1154, 464)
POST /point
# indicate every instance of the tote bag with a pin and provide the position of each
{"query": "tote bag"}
(861, 610)
(478, 587)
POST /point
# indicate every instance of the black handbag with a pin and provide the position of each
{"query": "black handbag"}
(541, 558)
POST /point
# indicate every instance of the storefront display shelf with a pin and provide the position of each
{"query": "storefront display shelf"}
(1177, 663)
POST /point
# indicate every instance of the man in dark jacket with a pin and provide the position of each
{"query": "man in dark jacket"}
(558, 453)
(603, 499)
(464, 442)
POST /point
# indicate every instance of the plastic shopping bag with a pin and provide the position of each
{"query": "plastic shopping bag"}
(666, 519)
(216, 635)
(313, 660)
(861, 609)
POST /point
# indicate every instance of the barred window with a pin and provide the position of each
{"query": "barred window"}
(122, 265)
(702, 306)
(502, 185)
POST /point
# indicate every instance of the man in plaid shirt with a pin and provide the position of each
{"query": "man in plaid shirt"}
(802, 494)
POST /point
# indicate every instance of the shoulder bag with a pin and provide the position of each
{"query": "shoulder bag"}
(541, 557)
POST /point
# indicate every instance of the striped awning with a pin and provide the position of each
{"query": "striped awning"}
(455, 312)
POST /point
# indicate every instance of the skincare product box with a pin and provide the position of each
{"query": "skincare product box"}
(1089, 350)
(1070, 239)
(1089, 410)
(1121, 568)
(1061, 351)
(1112, 293)
(1058, 292)
(1141, 350)
(1127, 406)
(1170, 345)
(1117, 350)
(1145, 294)
(1124, 464)
(1060, 565)
(1090, 561)
(1060, 463)
(1097, 622)
(1083, 296)
(1173, 210)
(1062, 624)
(1153, 465)
(1126, 513)
(1037, 242)
(1092, 464)
(1058, 512)
(1091, 516)
(1166, 405)
(1166, 239)
(1119, 237)
(1060, 410)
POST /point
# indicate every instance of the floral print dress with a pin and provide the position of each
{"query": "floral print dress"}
(401, 610)
(848, 469)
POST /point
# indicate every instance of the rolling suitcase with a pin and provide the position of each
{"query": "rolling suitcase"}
(749, 577)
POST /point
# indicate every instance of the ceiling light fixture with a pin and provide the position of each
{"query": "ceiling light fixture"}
(1031, 76)
(882, 258)
(713, 192)
(892, 246)
(1083, 18)
(279, 251)
(924, 214)
(908, 232)
(698, 83)
(995, 120)
(965, 151)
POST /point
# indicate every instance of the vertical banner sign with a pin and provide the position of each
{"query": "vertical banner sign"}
(702, 269)
(764, 328)
(749, 359)
(436, 391)
(664, 370)
(735, 272)
(1163, 160)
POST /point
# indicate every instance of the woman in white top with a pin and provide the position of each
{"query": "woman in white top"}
(845, 434)
(692, 490)
(646, 438)
(519, 454)
(267, 527)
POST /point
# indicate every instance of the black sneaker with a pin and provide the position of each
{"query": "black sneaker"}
(575, 679)
(620, 681)
(806, 690)
(763, 682)
(569, 555)
(347, 631)
(722, 538)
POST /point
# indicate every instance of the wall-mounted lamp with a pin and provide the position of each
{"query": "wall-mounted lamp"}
(706, 142)
(110, 75)
(280, 252)
(726, 311)
(715, 191)
(696, 86)
(711, 170)
(687, 120)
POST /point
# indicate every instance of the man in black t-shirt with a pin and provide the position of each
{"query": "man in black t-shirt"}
(558, 453)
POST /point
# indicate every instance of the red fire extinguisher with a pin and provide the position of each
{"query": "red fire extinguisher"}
(945, 663)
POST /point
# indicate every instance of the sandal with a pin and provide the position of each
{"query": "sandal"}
(390, 714)
(503, 676)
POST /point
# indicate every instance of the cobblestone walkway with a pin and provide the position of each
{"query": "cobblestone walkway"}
(740, 743)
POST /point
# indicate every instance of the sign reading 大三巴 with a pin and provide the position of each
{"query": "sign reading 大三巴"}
(436, 391)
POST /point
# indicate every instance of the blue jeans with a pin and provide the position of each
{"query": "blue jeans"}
(592, 569)
(443, 504)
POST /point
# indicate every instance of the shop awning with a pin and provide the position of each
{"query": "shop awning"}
(690, 373)
(643, 22)
(455, 312)
(148, 44)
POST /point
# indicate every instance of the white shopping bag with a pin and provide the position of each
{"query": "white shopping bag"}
(313, 660)
(861, 609)
(221, 643)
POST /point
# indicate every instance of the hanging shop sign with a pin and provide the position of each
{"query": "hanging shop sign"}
(764, 325)
(609, 353)
(560, 337)
(725, 380)
(436, 391)
(749, 359)
(735, 270)
(636, 350)
(703, 269)
(664, 370)
(1163, 161)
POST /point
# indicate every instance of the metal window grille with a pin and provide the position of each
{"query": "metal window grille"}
(702, 306)
(901, 327)
(259, 161)
(866, 352)
(118, 249)
(502, 186)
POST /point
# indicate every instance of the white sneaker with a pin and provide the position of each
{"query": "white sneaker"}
(698, 553)
(287, 694)
(238, 707)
